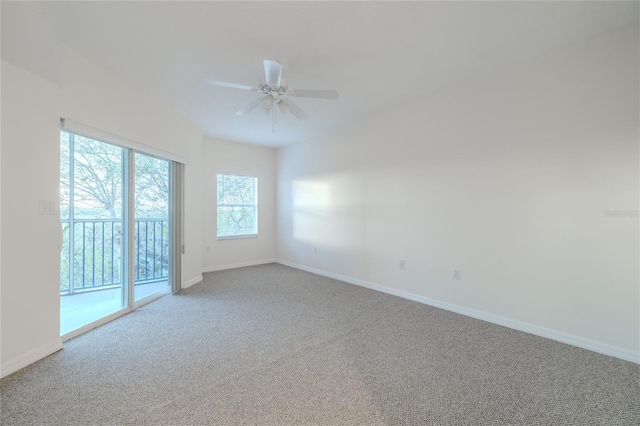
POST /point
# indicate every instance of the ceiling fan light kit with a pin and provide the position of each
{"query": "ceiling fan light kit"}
(276, 92)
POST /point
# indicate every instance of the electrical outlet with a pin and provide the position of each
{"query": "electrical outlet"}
(402, 264)
(457, 274)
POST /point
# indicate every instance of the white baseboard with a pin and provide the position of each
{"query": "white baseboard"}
(237, 265)
(559, 336)
(30, 357)
(192, 281)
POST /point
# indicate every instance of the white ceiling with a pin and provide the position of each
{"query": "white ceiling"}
(378, 55)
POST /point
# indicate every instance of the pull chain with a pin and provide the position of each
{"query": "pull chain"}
(274, 117)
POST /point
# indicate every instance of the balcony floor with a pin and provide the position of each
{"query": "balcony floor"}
(81, 309)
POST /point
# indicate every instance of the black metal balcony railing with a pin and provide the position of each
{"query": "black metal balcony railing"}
(96, 261)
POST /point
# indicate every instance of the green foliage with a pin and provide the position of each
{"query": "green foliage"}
(151, 249)
(95, 198)
(152, 187)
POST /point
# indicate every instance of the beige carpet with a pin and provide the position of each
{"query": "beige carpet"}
(270, 345)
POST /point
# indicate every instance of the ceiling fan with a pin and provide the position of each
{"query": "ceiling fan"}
(277, 93)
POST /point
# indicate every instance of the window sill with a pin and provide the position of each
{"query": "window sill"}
(238, 237)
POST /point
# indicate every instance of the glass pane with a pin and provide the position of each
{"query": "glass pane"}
(64, 175)
(91, 269)
(65, 278)
(235, 220)
(97, 254)
(236, 189)
(152, 230)
(97, 179)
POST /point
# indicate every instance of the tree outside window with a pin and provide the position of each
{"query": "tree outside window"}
(237, 209)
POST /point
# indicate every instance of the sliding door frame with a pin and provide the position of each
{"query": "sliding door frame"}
(129, 214)
(177, 224)
(176, 247)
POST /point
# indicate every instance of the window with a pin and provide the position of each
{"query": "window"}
(237, 206)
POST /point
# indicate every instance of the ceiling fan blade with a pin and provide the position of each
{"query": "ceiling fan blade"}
(232, 85)
(295, 110)
(283, 106)
(250, 107)
(272, 72)
(313, 93)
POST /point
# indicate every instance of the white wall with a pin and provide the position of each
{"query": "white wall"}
(245, 160)
(30, 309)
(506, 179)
(31, 109)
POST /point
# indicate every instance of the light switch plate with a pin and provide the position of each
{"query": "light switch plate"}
(45, 207)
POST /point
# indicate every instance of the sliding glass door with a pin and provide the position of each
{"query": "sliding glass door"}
(116, 225)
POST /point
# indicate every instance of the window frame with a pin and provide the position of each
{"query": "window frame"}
(253, 205)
